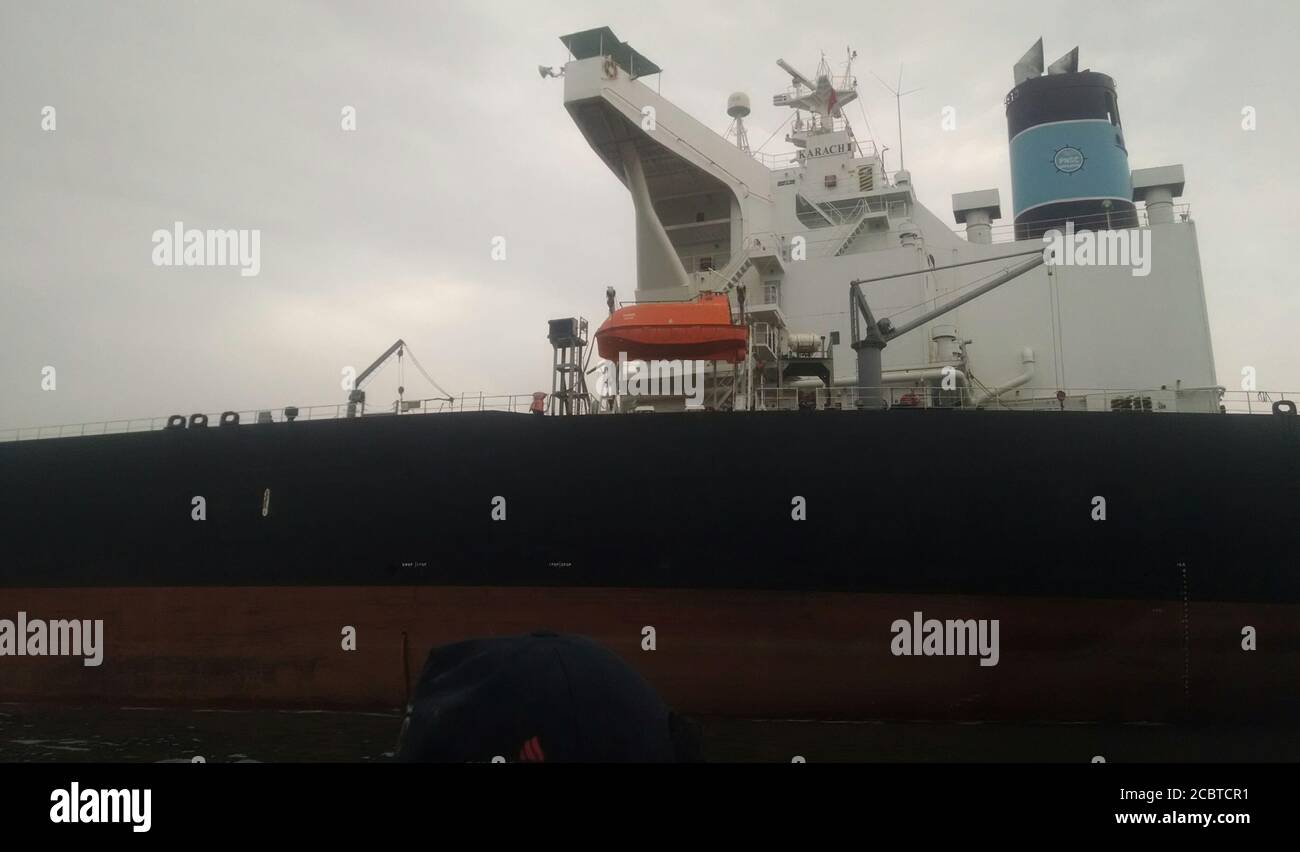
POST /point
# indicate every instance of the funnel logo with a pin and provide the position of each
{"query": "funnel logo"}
(1068, 160)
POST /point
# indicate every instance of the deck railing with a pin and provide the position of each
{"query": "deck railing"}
(1138, 400)
(437, 405)
(1153, 401)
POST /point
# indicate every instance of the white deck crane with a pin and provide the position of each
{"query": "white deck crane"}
(357, 396)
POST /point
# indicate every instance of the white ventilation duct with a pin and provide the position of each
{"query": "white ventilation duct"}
(1026, 359)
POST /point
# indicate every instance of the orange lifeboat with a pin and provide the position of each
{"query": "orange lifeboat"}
(698, 330)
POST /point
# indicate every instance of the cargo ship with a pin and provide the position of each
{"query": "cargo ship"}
(841, 462)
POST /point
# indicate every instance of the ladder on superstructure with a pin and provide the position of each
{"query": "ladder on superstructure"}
(568, 338)
(723, 387)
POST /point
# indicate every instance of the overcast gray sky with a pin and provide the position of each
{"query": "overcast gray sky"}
(227, 115)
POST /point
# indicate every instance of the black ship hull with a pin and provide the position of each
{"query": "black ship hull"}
(770, 554)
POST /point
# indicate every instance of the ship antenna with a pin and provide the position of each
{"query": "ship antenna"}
(849, 82)
(898, 104)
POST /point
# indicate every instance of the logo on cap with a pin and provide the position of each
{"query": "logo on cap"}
(532, 752)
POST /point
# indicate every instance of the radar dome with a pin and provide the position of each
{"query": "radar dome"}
(738, 105)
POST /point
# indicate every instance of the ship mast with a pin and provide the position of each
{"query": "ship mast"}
(822, 99)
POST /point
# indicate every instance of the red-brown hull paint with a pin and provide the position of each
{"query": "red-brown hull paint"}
(750, 654)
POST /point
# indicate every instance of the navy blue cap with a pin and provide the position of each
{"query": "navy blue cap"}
(539, 698)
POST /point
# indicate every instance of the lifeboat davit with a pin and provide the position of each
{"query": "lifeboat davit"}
(697, 330)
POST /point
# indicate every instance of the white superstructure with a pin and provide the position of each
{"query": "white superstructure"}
(794, 230)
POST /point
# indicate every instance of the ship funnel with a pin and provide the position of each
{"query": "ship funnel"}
(1067, 64)
(1068, 158)
(1031, 64)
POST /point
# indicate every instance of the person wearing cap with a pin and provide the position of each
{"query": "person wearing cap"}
(540, 698)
